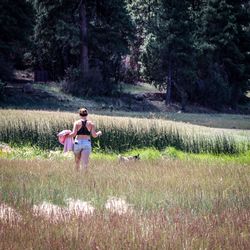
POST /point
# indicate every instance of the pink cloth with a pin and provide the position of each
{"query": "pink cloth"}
(62, 135)
(68, 142)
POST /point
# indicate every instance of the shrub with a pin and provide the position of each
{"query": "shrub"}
(2, 85)
(90, 85)
(6, 69)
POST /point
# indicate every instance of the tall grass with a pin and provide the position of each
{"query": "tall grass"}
(176, 205)
(148, 185)
(225, 230)
(119, 134)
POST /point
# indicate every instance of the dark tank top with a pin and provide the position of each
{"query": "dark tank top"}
(83, 130)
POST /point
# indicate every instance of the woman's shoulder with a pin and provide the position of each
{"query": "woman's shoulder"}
(90, 123)
(78, 122)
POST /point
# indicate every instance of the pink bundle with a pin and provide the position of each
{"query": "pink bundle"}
(65, 140)
(62, 135)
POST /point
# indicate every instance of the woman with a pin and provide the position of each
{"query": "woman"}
(83, 129)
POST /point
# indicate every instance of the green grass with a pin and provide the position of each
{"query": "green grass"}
(232, 121)
(146, 154)
(124, 87)
(146, 184)
(229, 121)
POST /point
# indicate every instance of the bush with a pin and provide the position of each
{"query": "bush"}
(71, 81)
(6, 69)
(2, 85)
(90, 85)
(214, 91)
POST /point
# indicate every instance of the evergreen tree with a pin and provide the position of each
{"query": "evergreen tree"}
(240, 78)
(89, 35)
(110, 35)
(142, 14)
(16, 27)
(168, 55)
(222, 56)
(55, 36)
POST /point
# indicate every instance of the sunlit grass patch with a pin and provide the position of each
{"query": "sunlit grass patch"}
(145, 154)
(242, 158)
(8, 215)
(137, 88)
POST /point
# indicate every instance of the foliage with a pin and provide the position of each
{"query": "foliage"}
(2, 85)
(197, 46)
(91, 84)
(6, 69)
(198, 51)
(219, 36)
(168, 54)
(16, 22)
(58, 45)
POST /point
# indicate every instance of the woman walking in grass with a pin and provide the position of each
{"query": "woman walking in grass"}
(83, 129)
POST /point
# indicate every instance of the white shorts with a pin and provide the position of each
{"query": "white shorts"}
(81, 145)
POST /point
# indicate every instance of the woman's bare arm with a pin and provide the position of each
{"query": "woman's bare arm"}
(74, 132)
(93, 131)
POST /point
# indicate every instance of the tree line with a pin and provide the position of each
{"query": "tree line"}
(197, 50)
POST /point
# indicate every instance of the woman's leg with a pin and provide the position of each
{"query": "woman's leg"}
(77, 161)
(85, 158)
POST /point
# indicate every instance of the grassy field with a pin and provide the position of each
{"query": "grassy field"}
(216, 120)
(223, 121)
(165, 204)
(39, 128)
(175, 197)
(101, 106)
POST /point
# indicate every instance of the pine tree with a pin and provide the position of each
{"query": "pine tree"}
(221, 38)
(88, 37)
(110, 35)
(240, 77)
(168, 56)
(16, 26)
(142, 13)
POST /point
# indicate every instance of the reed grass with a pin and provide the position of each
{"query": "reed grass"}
(39, 128)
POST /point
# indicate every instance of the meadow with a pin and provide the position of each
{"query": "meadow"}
(175, 197)
(162, 204)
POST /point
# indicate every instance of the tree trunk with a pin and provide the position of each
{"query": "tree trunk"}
(169, 85)
(84, 60)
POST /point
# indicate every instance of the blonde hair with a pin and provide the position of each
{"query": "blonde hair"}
(83, 112)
